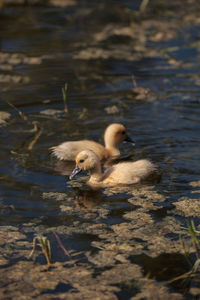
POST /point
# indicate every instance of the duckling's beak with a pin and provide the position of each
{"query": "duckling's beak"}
(128, 139)
(75, 172)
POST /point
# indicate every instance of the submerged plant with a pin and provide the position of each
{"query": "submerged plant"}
(62, 246)
(44, 243)
(64, 93)
(143, 5)
(37, 131)
(194, 233)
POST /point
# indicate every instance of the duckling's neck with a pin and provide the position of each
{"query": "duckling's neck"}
(112, 147)
(95, 174)
(113, 152)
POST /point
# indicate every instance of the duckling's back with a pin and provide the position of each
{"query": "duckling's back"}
(129, 172)
(69, 150)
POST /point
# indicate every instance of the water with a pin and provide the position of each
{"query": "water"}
(165, 124)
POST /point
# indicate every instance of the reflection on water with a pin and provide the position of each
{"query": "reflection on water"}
(96, 49)
(87, 199)
(64, 167)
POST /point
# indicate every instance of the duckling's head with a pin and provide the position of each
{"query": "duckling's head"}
(116, 134)
(86, 160)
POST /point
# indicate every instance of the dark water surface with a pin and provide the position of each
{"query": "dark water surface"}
(165, 124)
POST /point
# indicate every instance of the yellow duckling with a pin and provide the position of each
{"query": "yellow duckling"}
(113, 136)
(122, 173)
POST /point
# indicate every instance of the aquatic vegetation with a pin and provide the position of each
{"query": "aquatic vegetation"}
(61, 245)
(192, 247)
(4, 116)
(64, 93)
(44, 243)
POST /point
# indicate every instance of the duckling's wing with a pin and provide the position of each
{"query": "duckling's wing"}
(129, 172)
(118, 174)
(69, 150)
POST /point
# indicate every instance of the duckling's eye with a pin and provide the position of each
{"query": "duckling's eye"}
(123, 132)
(81, 160)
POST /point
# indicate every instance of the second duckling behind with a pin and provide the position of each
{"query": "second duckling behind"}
(113, 136)
(122, 173)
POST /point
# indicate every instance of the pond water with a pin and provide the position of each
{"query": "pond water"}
(97, 49)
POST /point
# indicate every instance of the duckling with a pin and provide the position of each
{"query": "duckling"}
(121, 173)
(113, 136)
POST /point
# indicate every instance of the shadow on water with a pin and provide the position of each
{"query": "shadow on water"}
(164, 268)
